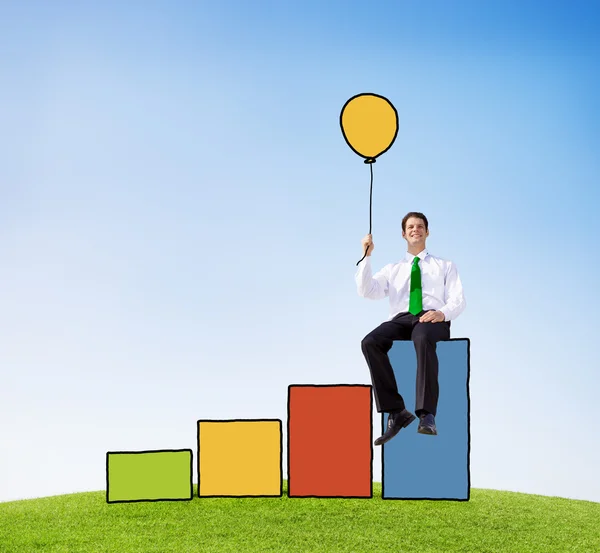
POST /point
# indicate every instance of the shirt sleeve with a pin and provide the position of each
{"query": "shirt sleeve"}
(374, 287)
(453, 294)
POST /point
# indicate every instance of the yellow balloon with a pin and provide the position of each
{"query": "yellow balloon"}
(369, 124)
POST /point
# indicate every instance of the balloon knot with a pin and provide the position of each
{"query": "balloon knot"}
(370, 160)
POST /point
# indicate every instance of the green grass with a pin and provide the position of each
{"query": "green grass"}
(492, 521)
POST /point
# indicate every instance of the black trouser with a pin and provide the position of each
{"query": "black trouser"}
(375, 346)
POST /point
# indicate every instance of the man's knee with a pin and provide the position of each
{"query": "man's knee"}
(422, 336)
(429, 335)
(370, 341)
(367, 341)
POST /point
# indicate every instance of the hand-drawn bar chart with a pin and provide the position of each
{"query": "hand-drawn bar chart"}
(329, 446)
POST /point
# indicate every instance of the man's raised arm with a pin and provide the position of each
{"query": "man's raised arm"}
(368, 286)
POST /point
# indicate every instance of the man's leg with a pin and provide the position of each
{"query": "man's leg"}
(375, 347)
(425, 337)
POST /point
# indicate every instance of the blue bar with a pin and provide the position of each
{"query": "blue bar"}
(419, 466)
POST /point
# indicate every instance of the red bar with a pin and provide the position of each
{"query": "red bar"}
(330, 451)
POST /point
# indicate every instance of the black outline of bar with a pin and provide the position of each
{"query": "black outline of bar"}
(242, 420)
(370, 387)
(108, 453)
(468, 441)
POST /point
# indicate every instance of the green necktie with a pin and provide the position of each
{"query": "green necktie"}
(416, 295)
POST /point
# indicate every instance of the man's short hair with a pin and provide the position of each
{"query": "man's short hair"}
(414, 214)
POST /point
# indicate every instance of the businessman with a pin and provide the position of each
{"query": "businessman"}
(425, 294)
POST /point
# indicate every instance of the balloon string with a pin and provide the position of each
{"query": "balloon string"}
(370, 210)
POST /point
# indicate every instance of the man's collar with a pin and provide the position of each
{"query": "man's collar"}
(421, 255)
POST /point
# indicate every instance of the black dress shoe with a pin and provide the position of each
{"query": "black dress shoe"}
(396, 422)
(427, 425)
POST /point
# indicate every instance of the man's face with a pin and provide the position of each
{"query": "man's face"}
(415, 232)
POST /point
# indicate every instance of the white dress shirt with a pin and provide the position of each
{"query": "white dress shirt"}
(440, 283)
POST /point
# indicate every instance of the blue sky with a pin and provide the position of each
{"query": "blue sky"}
(181, 218)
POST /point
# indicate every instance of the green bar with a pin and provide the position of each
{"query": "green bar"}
(149, 475)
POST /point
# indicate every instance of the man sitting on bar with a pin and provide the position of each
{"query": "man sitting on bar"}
(425, 294)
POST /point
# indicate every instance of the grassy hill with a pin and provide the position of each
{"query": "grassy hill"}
(492, 521)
